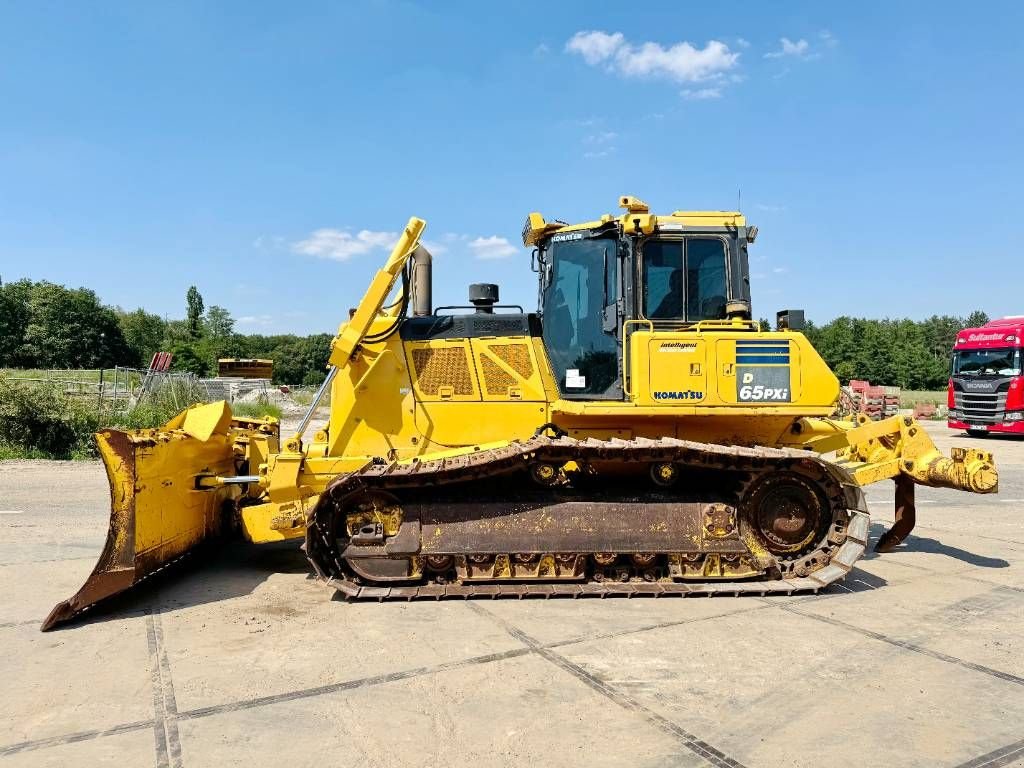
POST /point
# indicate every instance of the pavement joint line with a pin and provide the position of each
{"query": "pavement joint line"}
(51, 560)
(908, 646)
(447, 666)
(348, 685)
(998, 757)
(834, 589)
(700, 748)
(74, 738)
(237, 706)
(304, 693)
(11, 624)
(650, 627)
(165, 723)
(995, 584)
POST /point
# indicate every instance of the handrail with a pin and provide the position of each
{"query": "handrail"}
(625, 349)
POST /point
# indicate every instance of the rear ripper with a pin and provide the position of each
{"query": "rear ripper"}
(986, 388)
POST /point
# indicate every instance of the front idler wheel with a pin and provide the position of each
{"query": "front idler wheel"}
(787, 513)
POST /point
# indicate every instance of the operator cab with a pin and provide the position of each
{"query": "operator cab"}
(601, 280)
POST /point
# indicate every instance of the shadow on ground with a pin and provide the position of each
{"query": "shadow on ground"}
(915, 543)
(212, 574)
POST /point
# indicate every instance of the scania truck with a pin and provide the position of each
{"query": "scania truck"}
(986, 388)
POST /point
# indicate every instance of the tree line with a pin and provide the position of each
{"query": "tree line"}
(43, 325)
(903, 353)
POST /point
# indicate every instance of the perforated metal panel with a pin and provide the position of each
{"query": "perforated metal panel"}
(516, 356)
(437, 367)
(496, 381)
(507, 369)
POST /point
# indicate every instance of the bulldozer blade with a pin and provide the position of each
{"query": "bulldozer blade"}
(906, 515)
(158, 513)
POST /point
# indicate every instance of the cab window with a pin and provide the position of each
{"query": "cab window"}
(684, 279)
(582, 282)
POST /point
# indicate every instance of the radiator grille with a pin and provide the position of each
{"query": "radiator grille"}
(442, 367)
(980, 408)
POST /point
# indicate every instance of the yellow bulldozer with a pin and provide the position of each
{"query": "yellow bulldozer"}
(639, 434)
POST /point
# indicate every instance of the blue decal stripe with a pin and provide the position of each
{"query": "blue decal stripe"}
(763, 359)
(757, 350)
(762, 342)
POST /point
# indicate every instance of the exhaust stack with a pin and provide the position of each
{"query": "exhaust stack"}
(422, 282)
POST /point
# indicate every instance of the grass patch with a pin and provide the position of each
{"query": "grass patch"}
(8, 452)
(305, 396)
(71, 376)
(911, 397)
(41, 420)
(257, 410)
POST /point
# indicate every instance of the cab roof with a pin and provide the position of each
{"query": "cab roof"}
(636, 217)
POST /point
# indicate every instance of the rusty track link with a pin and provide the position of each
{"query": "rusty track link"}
(829, 562)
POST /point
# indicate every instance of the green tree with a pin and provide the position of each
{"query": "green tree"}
(71, 329)
(194, 312)
(14, 317)
(185, 357)
(218, 323)
(144, 333)
(976, 319)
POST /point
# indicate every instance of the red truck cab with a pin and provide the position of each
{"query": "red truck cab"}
(986, 387)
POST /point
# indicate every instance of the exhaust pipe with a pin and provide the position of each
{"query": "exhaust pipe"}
(422, 282)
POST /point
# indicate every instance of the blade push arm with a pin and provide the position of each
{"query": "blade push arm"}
(352, 333)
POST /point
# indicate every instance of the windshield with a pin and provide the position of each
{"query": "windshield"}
(684, 279)
(986, 362)
(582, 279)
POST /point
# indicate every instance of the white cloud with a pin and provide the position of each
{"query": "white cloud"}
(341, 245)
(827, 38)
(601, 138)
(701, 94)
(681, 62)
(800, 49)
(255, 321)
(769, 208)
(742, 42)
(492, 247)
(780, 270)
(595, 47)
(598, 153)
(435, 248)
(541, 50)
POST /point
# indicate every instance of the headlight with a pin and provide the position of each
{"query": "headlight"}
(1014, 416)
(954, 414)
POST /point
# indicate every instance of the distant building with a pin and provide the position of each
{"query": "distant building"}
(245, 369)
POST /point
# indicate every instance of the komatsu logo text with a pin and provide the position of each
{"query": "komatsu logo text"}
(687, 394)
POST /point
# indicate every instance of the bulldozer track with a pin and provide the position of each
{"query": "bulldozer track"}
(830, 560)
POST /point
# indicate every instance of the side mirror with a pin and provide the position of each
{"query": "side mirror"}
(789, 320)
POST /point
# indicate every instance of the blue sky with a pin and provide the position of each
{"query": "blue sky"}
(263, 152)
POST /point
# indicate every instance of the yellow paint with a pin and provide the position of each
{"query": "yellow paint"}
(398, 401)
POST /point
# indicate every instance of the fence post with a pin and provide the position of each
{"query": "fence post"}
(99, 396)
